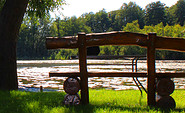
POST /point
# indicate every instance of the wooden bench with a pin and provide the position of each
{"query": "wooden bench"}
(150, 41)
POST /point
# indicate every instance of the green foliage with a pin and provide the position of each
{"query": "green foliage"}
(69, 27)
(41, 8)
(65, 54)
(148, 29)
(2, 4)
(131, 12)
(102, 21)
(132, 27)
(129, 17)
(171, 17)
(98, 22)
(155, 13)
(31, 44)
(90, 20)
(168, 31)
(180, 12)
(111, 50)
(126, 14)
(160, 29)
(178, 31)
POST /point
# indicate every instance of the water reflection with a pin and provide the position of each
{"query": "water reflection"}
(35, 73)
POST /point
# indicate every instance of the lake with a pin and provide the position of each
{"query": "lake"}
(35, 73)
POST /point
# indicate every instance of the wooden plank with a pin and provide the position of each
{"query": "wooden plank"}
(115, 74)
(98, 39)
(98, 74)
(170, 75)
(64, 42)
(116, 38)
(64, 74)
(83, 68)
(127, 57)
(177, 44)
(151, 69)
(114, 64)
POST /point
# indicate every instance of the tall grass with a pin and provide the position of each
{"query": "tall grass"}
(101, 101)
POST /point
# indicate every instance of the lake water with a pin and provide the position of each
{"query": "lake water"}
(35, 73)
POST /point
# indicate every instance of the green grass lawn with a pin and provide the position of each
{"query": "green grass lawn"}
(101, 101)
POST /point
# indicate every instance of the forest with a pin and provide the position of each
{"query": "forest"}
(156, 17)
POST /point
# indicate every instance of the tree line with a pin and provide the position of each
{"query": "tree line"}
(156, 17)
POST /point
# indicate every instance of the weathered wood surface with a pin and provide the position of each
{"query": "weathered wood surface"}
(170, 75)
(98, 39)
(165, 102)
(71, 99)
(115, 74)
(82, 50)
(165, 87)
(116, 38)
(177, 44)
(71, 86)
(127, 57)
(64, 42)
(151, 69)
(98, 74)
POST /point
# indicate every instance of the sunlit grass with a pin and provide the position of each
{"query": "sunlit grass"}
(101, 101)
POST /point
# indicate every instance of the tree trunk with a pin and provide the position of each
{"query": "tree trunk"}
(11, 18)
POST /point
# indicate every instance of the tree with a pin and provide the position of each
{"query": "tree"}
(180, 12)
(155, 13)
(170, 12)
(69, 26)
(98, 22)
(11, 16)
(159, 29)
(114, 23)
(32, 34)
(102, 21)
(90, 20)
(132, 27)
(130, 12)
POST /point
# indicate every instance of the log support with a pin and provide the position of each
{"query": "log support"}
(151, 69)
(82, 50)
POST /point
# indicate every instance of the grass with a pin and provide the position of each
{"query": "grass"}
(101, 101)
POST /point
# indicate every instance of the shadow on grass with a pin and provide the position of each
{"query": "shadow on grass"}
(51, 102)
(29, 102)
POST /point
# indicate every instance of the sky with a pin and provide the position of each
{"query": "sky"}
(78, 7)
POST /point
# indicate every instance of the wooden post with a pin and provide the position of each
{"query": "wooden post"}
(83, 68)
(41, 89)
(151, 69)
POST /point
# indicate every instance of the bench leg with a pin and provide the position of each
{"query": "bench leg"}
(83, 68)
